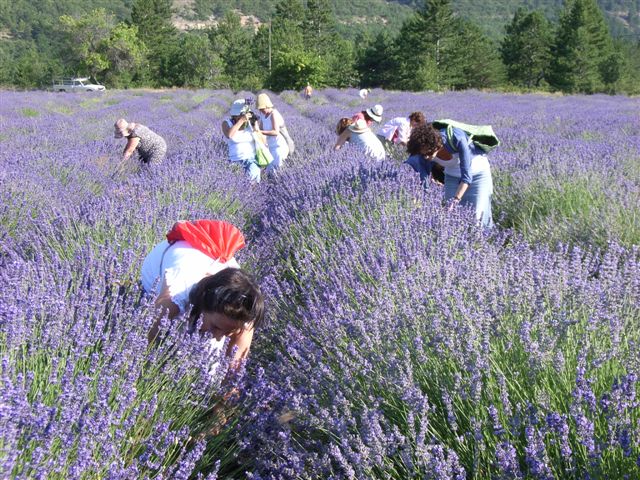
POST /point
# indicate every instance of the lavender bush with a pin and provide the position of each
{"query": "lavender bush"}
(404, 342)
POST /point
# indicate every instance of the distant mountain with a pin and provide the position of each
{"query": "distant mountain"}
(355, 16)
(27, 18)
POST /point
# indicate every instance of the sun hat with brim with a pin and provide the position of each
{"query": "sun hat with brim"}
(121, 128)
(359, 127)
(263, 101)
(375, 112)
(238, 107)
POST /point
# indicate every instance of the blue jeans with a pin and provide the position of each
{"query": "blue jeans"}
(422, 166)
(251, 169)
(478, 195)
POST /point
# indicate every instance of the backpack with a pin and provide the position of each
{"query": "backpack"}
(482, 136)
(285, 133)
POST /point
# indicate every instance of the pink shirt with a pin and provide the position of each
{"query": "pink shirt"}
(360, 116)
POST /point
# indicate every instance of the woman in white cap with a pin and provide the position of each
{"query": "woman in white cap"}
(150, 146)
(240, 139)
(370, 115)
(360, 135)
(271, 125)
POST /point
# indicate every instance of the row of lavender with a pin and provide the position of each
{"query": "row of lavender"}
(403, 343)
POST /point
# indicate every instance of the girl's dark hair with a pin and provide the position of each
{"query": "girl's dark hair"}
(424, 136)
(342, 125)
(231, 292)
(418, 117)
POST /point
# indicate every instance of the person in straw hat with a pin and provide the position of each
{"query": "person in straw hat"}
(150, 146)
(240, 137)
(370, 115)
(360, 135)
(271, 126)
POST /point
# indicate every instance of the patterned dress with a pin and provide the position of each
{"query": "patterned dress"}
(152, 147)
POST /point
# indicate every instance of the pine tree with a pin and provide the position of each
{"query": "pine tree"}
(153, 19)
(526, 48)
(319, 25)
(436, 50)
(234, 44)
(378, 61)
(583, 55)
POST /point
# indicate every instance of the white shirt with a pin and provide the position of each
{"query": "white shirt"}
(397, 124)
(363, 93)
(274, 141)
(479, 163)
(180, 267)
(369, 143)
(241, 146)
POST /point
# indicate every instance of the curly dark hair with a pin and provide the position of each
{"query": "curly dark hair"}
(418, 117)
(424, 138)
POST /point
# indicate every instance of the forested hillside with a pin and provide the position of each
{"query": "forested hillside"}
(574, 46)
(21, 17)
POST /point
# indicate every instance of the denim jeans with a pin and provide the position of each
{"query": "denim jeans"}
(251, 169)
(477, 195)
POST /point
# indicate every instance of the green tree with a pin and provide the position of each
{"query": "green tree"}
(289, 12)
(477, 58)
(85, 37)
(294, 68)
(126, 54)
(319, 25)
(526, 48)
(153, 19)
(377, 62)
(198, 65)
(341, 62)
(425, 45)
(583, 55)
(233, 43)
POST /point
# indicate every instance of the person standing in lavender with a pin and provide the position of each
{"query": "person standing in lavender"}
(195, 268)
(467, 173)
(150, 146)
(307, 91)
(238, 131)
(271, 126)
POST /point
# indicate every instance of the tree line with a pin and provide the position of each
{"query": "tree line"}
(434, 50)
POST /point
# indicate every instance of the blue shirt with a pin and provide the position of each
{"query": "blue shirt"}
(466, 149)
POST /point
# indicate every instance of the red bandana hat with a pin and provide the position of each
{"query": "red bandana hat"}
(215, 238)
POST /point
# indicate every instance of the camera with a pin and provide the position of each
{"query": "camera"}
(251, 116)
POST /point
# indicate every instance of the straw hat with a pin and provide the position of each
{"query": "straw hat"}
(375, 112)
(264, 101)
(121, 128)
(238, 107)
(359, 127)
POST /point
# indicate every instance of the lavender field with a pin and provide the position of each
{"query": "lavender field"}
(404, 342)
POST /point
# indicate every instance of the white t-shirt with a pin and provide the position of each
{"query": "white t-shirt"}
(400, 125)
(363, 93)
(180, 267)
(479, 163)
(274, 141)
(369, 143)
(241, 146)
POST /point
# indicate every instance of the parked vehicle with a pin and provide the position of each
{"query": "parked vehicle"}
(76, 85)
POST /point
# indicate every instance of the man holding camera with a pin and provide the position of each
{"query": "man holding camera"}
(239, 132)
